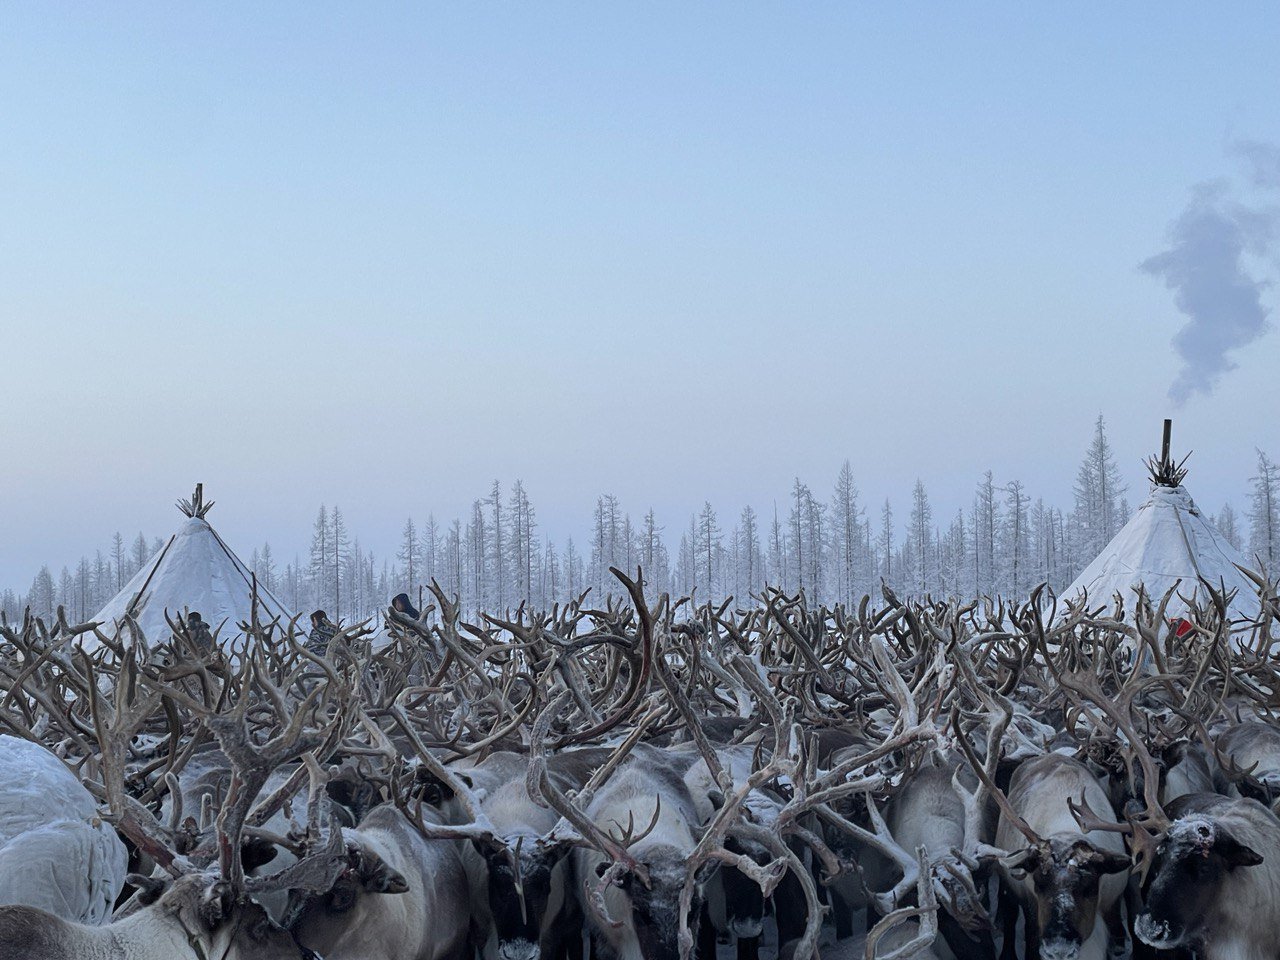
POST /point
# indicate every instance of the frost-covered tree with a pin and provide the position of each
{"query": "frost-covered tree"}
(807, 535)
(778, 572)
(750, 562)
(1228, 526)
(521, 550)
(118, 555)
(454, 559)
(265, 568)
(493, 550)
(1015, 542)
(920, 556)
(847, 539)
(985, 524)
(573, 573)
(429, 548)
(42, 595)
(1264, 514)
(321, 554)
(706, 544)
(84, 596)
(884, 545)
(653, 555)
(954, 563)
(138, 554)
(339, 542)
(1043, 562)
(475, 545)
(608, 548)
(1098, 495)
(408, 555)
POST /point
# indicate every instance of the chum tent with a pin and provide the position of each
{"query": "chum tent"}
(1168, 543)
(194, 571)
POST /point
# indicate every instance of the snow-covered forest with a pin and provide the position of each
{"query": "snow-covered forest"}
(835, 547)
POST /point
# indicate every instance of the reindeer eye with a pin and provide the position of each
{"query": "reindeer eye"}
(341, 899)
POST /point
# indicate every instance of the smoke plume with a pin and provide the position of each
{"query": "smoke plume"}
(1206, 267)
(1263, 160)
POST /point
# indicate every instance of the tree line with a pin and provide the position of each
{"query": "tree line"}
(836, 548)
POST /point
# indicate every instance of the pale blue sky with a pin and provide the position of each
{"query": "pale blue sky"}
(379, 255)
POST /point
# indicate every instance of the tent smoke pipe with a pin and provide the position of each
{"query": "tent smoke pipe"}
(1164, 450)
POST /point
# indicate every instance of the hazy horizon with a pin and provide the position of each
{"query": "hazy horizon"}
(313, 254)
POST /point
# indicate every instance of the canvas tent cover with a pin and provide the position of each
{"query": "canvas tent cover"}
(195, 570)
(1166, 541)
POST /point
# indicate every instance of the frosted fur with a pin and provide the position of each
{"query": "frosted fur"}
(1241, 919)
(428, 922)
(632, 793)
(1039, 791)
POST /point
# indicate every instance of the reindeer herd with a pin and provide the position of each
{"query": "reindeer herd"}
(656, 780)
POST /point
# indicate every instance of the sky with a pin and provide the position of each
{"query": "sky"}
(381, 255)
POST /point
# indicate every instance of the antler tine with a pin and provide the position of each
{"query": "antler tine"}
(541, 788)
(1089, 820)
(252, 765)
(1118, 711)
(129, 709)
(481, 831)
(479, 820)
(908, 712)
(986, 777)
(629, 835)
(640, 674)
(926, 910)
(620, 753)
(314, 872)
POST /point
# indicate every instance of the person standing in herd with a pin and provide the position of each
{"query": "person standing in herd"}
(322, 631)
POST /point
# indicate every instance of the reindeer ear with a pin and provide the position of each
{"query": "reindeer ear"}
(1235, 853)
(216, 904)
(149, 888)
(1104, 861)
(377, 877)
(1023, 862)
(256, 852)
(432, 791)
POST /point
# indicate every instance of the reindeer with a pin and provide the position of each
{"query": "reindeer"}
(640, 877)
(196, 910)
(1069, 887)
(1250, 753)
(398, 897)
(1214, 881)
(735, 904)
(537, 751)
(198, 916)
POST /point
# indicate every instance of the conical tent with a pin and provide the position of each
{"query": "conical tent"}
(1168, 542)
(194, 571)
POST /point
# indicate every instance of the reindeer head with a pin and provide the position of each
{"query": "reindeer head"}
(1194, 857)
(215, 919)
(1065, 873)
(316, 917)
